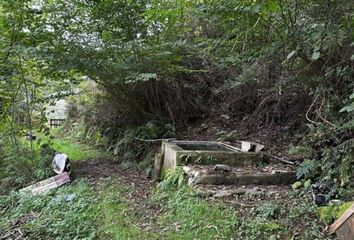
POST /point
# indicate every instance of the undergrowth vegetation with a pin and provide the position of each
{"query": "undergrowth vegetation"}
(113, 208)
(68, 213)
(165, 66)
(135, 71)
(192, 216)
(263, 64)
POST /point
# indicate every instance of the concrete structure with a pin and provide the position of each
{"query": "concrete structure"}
(199, 157)
(238, 177)
(205, 153)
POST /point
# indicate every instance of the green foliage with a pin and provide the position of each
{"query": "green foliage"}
(225, 136)
(256, 229)
(328, 214)
(157, 63)
(77, 151)
(332, 152)
(43, 167)
(187, 217)
(117, 214)
(130, 145)
(17, 168)
(296, 185)
(350, 107)
(202, 160)
(54, 214)
(306, 184)
(267, 211)
(173, 179)
(299, 150)
(308, 169)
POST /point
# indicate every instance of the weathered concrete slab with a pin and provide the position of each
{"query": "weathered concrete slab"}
(261, 192)
(239, 178)
(156, 171)
(205, 153)
(211, 177)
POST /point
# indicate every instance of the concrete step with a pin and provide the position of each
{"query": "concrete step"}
(270, 175)
(259, 192)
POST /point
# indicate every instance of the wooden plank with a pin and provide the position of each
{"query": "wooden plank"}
(350, 223)
(340, 221)
(47, 184)
(344, 232)
(52, 185)
(44, 182)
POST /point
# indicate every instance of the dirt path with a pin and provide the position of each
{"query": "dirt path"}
(97, 169)
(102, 173)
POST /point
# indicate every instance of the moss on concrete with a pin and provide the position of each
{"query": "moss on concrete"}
(328, 214)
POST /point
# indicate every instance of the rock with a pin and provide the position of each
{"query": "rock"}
(225, 116)
(222, 168)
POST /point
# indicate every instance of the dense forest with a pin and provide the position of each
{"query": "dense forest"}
(277, 72)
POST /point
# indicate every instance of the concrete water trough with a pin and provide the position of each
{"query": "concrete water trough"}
(176, 153)
(242, 168)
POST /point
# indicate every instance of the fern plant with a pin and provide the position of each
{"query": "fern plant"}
(174, 179)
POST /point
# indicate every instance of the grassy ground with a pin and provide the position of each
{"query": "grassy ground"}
(76, 151)
(106, 201)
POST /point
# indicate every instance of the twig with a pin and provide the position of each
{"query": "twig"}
(278, 158)
(265, 153)
(230, 147)
(308, 110)
(325, 120)
(155, 140)
(318, 114)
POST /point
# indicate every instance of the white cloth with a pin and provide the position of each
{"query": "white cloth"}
(59, 162)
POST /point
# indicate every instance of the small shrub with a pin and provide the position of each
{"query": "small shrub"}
(308, 169)
(173, 179)
(267, 211)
